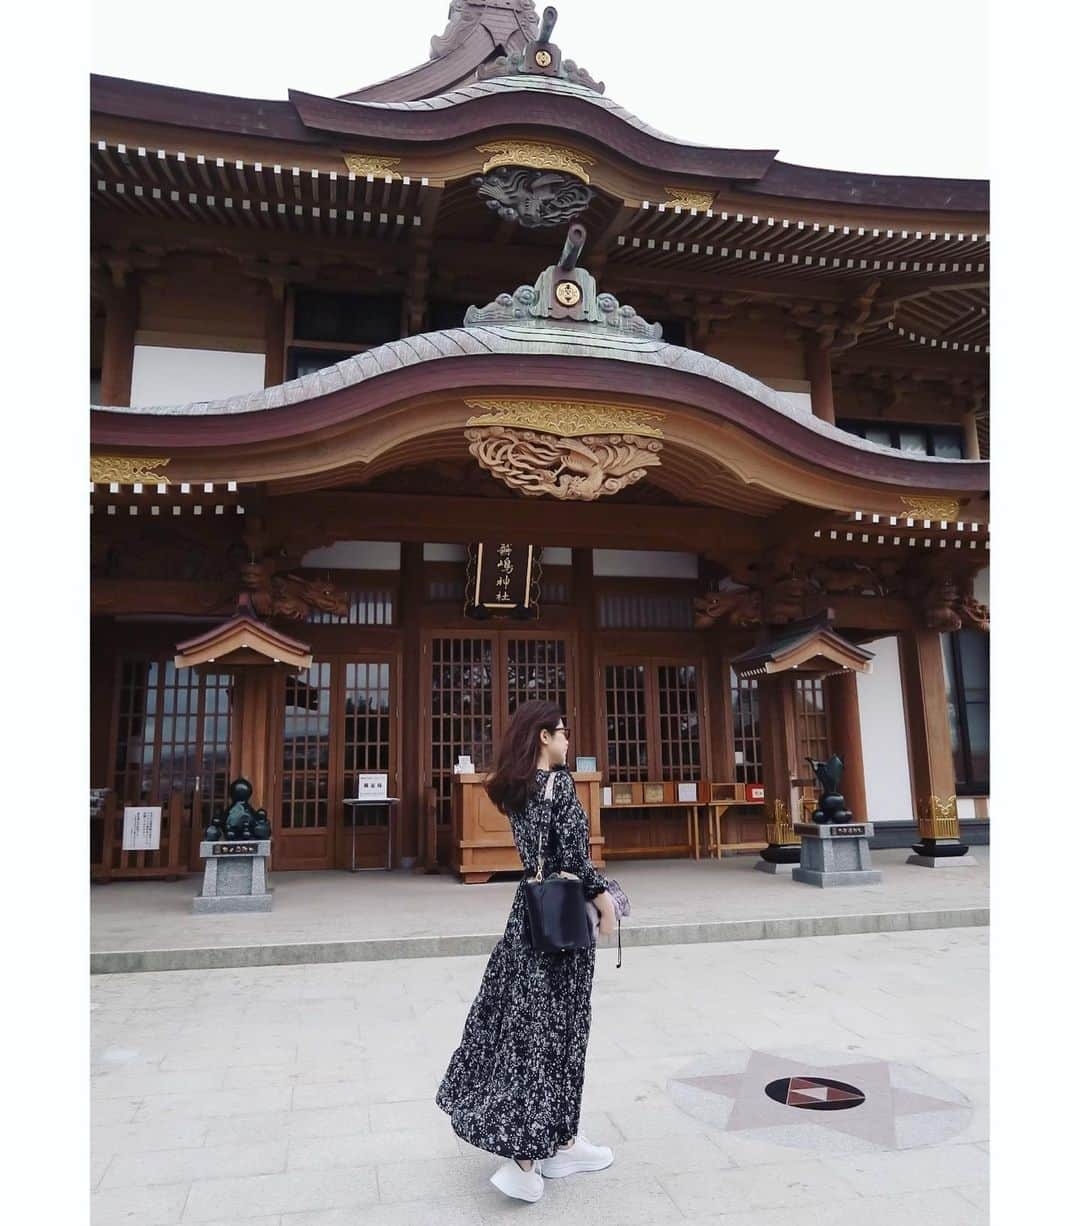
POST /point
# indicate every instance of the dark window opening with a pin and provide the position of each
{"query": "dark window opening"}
(944, 441)
(967, 694)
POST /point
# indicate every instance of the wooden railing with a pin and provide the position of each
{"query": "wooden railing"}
(169, 861)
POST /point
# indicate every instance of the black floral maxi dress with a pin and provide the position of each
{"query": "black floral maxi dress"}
(513, 1086)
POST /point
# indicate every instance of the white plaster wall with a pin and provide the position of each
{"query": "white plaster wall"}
(162, 375)
(436, 552)
(645, 563)
(356, 555)
(884, 735)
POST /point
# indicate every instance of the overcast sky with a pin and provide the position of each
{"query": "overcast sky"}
(859, 85)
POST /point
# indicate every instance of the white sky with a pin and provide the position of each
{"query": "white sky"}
(857, 85)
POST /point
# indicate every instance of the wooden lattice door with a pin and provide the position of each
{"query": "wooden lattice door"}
(170, 747)
(340, 719)
(653, 725)
(473, 684)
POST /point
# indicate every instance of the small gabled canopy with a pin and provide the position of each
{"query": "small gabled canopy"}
(243, 641)
(810, 645)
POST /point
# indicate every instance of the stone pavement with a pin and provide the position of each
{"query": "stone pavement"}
(339, 916)
(304, 1095)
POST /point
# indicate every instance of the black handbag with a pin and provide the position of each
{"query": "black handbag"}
(555, 907)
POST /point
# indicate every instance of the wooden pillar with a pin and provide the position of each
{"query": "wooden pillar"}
(721, 738)
(922, 671)
(779, 743)
(971, 437)
(255, 734)
(842, 698)
(274, 371)
(416, 837)
(819, 372)
(118, 356)
(587, 738)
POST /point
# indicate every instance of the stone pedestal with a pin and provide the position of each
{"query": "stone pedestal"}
(941, 853)
(835, 855)
(234, 877)
(779, 870)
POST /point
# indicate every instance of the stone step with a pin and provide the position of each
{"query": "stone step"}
(106, 962)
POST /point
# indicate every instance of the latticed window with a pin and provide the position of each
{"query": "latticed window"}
(746, 728)
(811, 720)
(677, 708)
(462, 709)
(627, 723)
(535, 668)
(305, 775)
(652, 721)
(645, 611)
(367, 730)
(367, 607)
(172, 735)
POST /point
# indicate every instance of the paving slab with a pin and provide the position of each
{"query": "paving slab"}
(334, 1121)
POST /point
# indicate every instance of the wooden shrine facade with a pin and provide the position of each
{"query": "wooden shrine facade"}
(325, 368)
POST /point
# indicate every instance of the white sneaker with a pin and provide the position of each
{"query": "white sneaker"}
(525, 1185)
(581, 1156)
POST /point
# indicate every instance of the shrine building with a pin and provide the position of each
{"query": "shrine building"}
(470, 386)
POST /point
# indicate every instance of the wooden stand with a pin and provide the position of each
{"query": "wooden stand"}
(482, 842)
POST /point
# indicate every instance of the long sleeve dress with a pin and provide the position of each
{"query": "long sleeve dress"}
(513, 1085)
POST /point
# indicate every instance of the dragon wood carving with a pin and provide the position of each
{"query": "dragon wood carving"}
(290, 596)
(582, 469)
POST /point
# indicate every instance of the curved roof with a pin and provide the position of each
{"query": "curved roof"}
(590, 358)
(544, 105)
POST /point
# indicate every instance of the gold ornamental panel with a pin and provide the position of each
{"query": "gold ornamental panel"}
(127, 470)
(684, 198)
(372, 164)
(568, 418)
(932, 508)
(536, 155)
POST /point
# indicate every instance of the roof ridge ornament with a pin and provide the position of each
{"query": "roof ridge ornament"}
(540, 57)
(465, 15)
(565, 292)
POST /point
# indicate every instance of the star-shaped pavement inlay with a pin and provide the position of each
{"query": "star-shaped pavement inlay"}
(802, 1101)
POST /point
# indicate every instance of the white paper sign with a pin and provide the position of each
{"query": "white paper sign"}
(605, 796)
(371, 787)
(142, 828)
(688, 791)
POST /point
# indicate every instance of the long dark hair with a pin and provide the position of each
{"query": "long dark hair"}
(514, 777)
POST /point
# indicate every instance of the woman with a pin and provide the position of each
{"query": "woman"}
(513, 1086)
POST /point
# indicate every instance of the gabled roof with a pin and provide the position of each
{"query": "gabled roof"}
(810, 646)
(243, 640)
(476, 32)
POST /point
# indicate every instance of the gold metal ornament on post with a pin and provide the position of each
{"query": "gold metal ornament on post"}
(939, 819)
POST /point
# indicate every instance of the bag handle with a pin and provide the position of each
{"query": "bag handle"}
(548, 794)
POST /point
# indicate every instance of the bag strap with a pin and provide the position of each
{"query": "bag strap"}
(548, 796)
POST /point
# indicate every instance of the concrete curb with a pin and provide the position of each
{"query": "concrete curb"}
(118, 962)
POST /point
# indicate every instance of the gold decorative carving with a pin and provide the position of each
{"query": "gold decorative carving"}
(939, 819)
(571, 469)
(779, 829)
(538, 156)
(685, 198)
(570, 418)
(932, 508)
(127, 470)
(372, 164)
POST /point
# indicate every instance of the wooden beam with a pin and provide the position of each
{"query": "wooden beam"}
(327, 517)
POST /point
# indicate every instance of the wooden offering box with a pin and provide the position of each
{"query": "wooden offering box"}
(482, 842)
